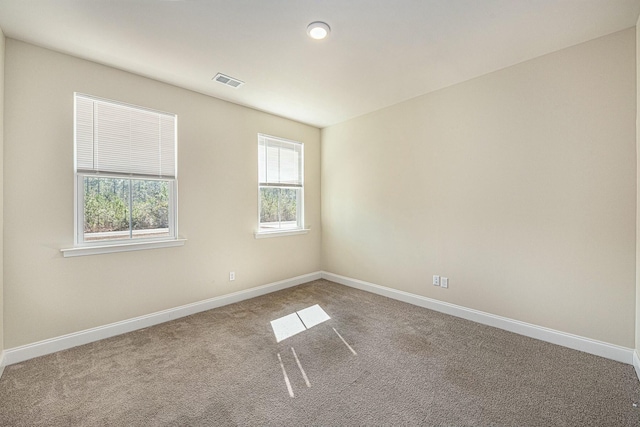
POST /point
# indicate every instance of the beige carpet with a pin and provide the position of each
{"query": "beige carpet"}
(413, 367)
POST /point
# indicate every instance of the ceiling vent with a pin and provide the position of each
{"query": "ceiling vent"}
(229, 81)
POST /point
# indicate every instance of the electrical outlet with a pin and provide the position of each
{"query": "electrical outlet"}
(436, 280)
(232, 276)
(444, 282)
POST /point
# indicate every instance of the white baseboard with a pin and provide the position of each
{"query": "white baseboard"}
(41, 348)
(599, 348)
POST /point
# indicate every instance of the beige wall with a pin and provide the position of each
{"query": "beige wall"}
(519, 186)
(47, 295)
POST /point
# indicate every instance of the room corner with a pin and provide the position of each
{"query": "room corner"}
(636, 359)
(2, 44)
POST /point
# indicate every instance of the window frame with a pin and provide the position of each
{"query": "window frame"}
(85, 247)
(79, 211)
(300, 223)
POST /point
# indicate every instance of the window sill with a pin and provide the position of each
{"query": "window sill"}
(266, 234)
(121, 247)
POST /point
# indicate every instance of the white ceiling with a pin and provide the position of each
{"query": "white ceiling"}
(379, 52)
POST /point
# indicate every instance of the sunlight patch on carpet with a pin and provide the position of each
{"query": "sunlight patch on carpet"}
(294, 323)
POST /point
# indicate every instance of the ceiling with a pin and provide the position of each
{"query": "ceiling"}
(379, 52)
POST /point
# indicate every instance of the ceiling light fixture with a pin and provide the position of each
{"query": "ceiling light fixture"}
(318, 30)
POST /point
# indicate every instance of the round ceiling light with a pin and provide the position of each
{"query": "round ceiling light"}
(318, 30)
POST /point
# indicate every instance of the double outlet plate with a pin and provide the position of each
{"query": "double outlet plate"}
(443, 282)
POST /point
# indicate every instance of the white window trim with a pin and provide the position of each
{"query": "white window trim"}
(290, 232)
(300, 218)
(81, 247)
(79, 211)
(121, 247)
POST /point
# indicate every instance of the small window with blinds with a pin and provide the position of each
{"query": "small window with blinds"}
(280, 184)
(126, 172)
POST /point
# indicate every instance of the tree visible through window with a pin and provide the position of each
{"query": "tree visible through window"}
(117, 208)
(279, 208)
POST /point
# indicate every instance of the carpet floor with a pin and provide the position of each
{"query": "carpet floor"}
(376, 361)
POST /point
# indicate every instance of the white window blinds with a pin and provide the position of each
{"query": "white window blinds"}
(117, 138)
(279, 162)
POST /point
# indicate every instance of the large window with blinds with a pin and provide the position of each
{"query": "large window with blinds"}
(126, 172)
(280, 184)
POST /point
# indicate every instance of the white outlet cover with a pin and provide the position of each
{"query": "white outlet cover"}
(436, 280)
(444, 282)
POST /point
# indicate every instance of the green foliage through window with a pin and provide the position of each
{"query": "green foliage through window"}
(278, 207)
(116, 205)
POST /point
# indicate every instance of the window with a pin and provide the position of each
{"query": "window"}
(125, 168)
(280, 184)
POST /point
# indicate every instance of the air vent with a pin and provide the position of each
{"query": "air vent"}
(229, 81)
